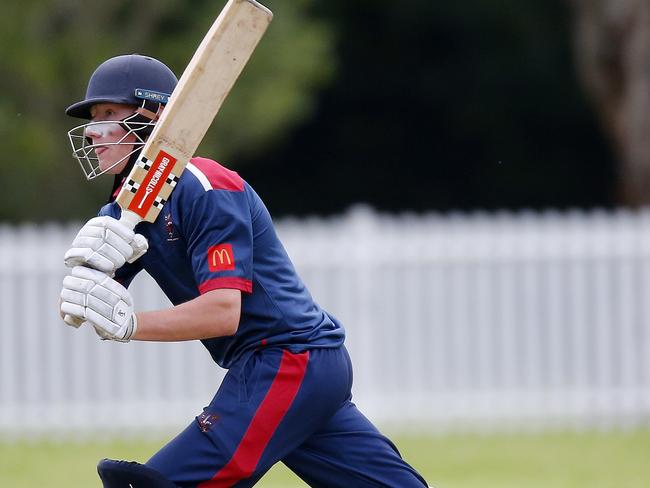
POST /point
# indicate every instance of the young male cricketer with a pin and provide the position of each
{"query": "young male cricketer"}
(214, 252)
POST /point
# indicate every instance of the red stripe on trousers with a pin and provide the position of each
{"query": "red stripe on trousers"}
(268, 416)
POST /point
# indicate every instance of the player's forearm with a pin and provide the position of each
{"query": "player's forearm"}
(214, 314)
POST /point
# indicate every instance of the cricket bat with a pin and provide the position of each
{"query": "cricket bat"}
(197, 98)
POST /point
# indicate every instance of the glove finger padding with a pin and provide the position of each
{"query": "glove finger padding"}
(77, 283)
(72, 295)
(100, 300)
(105, 244)
(124, 232)
(87, 257)
(73, 309)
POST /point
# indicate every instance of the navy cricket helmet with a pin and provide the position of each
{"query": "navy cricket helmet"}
(126, 79)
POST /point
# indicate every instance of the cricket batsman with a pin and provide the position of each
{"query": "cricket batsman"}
(214, 252)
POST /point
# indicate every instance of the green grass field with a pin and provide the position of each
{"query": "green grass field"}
(567, 460)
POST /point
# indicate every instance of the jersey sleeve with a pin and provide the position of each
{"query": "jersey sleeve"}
(218, 231)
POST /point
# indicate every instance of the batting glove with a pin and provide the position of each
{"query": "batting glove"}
(105, 243)
(91, 297)
(73, 321)
(77, 322)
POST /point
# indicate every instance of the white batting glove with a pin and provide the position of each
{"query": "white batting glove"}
(73, 321)
(105, 243)
(77, 322)
(92, 297)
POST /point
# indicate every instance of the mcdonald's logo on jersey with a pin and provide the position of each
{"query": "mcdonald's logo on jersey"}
(221, 258)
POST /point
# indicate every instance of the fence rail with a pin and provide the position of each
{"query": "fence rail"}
(482, 321)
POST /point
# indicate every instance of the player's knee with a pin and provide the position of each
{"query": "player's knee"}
(129, 474)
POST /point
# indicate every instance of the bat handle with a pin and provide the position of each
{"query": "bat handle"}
(131, 219)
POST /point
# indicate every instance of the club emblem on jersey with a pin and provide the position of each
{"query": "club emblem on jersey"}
(221, 258)
(206, 421)
(171, 230)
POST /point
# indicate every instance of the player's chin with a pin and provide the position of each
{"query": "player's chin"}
(112, 167)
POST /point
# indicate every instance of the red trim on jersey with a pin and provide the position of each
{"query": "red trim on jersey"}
(268, 416)
(226, 282)
(219, 177)
(117, 190)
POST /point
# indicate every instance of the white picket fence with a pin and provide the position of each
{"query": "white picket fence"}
(481, 321)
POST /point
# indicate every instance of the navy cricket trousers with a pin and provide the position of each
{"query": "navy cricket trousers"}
(273, 406)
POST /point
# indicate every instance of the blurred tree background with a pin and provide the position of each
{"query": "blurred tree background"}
(409, 105)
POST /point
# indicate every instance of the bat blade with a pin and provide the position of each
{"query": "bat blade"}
(201, 90)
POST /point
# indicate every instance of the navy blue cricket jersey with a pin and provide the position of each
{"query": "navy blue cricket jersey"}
(215, 232)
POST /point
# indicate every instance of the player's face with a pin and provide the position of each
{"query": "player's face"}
(106, 135)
